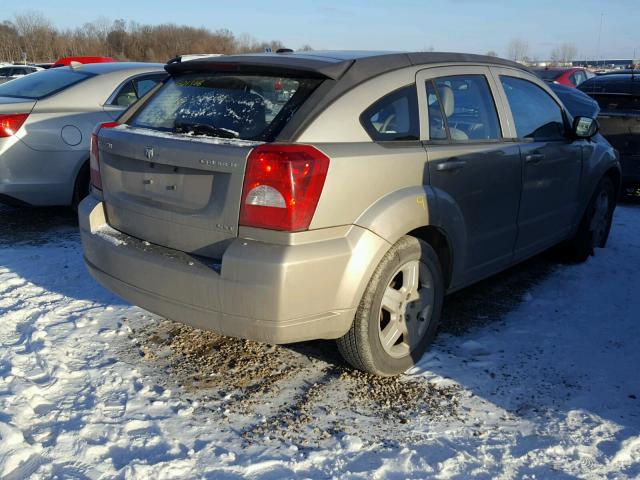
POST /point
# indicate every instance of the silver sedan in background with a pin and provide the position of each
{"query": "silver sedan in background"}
(46, 120)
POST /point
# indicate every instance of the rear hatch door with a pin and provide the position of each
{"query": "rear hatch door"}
(173, 174)
(173, 190)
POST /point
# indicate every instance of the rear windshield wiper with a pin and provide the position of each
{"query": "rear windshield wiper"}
(204, 129)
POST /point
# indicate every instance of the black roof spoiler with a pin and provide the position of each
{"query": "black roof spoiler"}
(282, 65)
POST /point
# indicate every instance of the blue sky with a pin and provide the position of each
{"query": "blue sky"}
(475, 26)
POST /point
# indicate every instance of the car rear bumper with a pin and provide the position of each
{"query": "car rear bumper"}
(35, 177)
(261, 291)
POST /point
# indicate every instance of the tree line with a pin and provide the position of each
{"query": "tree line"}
(34, 36)
(518, 50)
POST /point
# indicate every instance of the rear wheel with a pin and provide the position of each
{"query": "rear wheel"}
(399, 313)
(596, 224)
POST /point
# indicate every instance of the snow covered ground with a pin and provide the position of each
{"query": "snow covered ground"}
(536, 374)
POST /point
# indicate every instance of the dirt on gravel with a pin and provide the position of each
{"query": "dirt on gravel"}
(302, 394)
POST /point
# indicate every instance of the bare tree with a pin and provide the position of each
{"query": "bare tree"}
(35, 35)
(492, 53)
(518, 50)
(564, 53)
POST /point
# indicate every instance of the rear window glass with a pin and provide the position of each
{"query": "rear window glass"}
(247, 107)
(42, 84)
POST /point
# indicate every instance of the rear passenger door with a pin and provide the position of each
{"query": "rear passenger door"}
(470, 166)
(551, 163)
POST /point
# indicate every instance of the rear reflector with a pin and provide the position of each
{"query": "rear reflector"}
(11, 123)
(94, 156)
(282, 186)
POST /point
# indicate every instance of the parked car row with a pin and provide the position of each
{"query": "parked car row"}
(618, 95)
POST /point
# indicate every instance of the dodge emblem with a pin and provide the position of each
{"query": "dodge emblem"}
(148, 152)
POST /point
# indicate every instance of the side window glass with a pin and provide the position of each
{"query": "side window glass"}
(143, 85)
(536, 114)
(393, 117)
(437, 124)
(468, 107)
(126, 96)
(573, 78)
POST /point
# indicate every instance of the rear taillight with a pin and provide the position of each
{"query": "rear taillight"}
(282, 186)
(11, 123)
(94, 157)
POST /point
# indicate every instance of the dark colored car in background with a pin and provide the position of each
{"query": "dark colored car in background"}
(618, 96)
(577, 102)
(12, 72)
(570, 77)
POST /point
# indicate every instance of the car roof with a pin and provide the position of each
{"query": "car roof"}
(360, 65)
(555, 69)
(102, 68)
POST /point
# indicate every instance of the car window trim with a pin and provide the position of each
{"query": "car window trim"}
(444, 117)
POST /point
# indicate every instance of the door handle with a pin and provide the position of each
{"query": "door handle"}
(534, 157)
(451, 165)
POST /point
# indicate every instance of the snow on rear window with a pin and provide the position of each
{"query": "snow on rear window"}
(247, 107)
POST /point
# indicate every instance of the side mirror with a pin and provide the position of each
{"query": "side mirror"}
(585, 127)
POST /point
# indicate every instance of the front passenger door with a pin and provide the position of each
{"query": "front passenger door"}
(551, 163)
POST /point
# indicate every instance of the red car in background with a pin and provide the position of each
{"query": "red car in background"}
(66, 61)
(569, 77)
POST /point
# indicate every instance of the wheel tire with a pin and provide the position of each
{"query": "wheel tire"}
(81, 186)
(595, 225)
(362, 345)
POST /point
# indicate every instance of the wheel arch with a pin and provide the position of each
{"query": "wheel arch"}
(439, 241)
(427, 214)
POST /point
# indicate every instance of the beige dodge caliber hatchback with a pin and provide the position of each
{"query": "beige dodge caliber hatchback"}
(338, 195)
